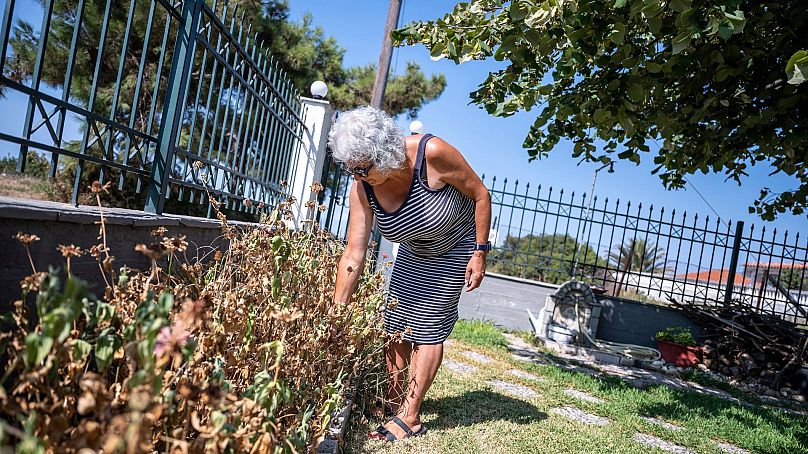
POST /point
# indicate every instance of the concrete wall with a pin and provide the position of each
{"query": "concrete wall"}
(59, 223)
(504, 300)
(633, 322)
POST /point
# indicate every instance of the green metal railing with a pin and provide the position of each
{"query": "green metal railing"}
(172, 101)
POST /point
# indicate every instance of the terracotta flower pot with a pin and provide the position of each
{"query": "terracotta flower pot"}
(679, 355)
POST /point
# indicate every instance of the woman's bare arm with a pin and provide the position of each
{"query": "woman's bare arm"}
(353, 259)
(451, 168)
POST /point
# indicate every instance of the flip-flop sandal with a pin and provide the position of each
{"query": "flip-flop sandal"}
(388, 436)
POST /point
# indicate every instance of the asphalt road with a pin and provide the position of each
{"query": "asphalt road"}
(504, 301)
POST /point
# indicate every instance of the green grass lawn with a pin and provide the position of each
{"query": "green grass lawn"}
(465, 413)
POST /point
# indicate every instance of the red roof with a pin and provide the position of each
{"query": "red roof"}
(775, 265)
(714, 276)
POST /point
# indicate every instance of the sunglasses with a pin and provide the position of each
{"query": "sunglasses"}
(359, 171)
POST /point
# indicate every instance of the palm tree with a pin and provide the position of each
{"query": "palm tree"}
(637, 255)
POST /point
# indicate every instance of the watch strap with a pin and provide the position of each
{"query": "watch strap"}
(482, 246)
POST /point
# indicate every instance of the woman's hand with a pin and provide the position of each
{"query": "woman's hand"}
(475, 270)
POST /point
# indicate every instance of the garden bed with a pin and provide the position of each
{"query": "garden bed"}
(237, 351)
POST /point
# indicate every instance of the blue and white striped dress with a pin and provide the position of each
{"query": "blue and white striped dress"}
(436, 230)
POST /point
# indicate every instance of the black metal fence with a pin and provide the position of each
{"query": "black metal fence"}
(170, 99)
(635, 251)
(646, 252)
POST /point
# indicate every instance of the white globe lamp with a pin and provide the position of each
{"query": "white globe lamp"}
(318, 89)
(416, 127)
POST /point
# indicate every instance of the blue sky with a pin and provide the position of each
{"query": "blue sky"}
(492, 145)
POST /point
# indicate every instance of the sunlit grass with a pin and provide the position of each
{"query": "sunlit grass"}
(464, 413)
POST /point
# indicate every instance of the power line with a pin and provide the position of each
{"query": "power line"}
(399, 25)
(705, 201)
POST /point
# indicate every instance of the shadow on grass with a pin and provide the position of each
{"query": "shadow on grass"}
(475, 407)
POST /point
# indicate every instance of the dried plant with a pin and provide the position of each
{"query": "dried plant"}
(242, 353)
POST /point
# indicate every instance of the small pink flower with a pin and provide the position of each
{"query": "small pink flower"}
(169, 339)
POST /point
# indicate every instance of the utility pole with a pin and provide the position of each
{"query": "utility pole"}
(383, 69)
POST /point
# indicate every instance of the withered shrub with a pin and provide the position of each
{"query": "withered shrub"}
(239, 351)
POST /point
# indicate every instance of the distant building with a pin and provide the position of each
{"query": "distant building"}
(761, 271)
(714, 277)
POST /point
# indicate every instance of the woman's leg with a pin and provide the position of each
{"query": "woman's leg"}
(423, 367)
(397, 354)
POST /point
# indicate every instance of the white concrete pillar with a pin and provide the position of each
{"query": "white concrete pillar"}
(311, 156)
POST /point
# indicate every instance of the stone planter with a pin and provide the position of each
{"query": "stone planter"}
(679, 355)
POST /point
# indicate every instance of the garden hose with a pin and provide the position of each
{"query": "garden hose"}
(628, 350)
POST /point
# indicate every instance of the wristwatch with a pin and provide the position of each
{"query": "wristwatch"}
(482, 246)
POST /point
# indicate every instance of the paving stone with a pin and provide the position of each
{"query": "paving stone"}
(526, 375)
(580, 415)
(654, 442)
(662, 423)
(448, 343)
(731, 449)
(479, 357)
(456, 366)
(513, 388)
(583, 396)
(519, 357)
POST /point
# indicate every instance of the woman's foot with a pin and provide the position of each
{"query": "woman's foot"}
(399, 428)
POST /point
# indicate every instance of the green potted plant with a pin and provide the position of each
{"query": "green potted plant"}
(677, 346)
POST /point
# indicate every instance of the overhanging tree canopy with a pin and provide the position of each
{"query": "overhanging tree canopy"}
(714, 86)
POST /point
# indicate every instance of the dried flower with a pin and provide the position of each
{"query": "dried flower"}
(217, 256)
(247, 203)
(175, 244)
(26, 239)
(198, 165)
(322, 208)
(159, 231)
(97, 187)
(31, 283)
(70, 250)
(316, 187)
(311, 204)
(154, 251)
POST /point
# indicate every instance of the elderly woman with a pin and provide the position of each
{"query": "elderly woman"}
(426, 197)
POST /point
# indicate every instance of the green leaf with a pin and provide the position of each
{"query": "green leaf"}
(681, 42)
(725, 32)
(105, 348)
(57, 323)
(618, 34)
(619, 3)
(517, 11)
(81, 349)
(797, 67)
(679, 5)
(37, 347)
(653, 67)
(636, 93)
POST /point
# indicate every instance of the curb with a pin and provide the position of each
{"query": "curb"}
(339, 423)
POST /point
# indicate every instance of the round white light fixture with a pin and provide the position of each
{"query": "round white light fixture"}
(318, 89)
(416, 127)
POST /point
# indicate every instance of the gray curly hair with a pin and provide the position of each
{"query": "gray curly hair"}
(367, 134)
